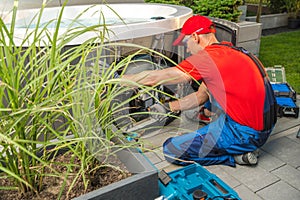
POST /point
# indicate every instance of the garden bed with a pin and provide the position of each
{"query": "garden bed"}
(103, 183)
(52, 185)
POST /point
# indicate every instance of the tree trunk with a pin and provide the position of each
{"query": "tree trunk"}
(258, 14)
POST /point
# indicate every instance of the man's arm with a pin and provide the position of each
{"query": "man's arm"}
(190, 101)
(171, 75)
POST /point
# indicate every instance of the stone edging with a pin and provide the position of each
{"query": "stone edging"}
(271, 21)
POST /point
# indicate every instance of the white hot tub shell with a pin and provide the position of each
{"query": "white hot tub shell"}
(125, 21)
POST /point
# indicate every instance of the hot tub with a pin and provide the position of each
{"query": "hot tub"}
(125, 21)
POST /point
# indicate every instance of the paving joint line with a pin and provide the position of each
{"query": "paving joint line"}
(284, 164)
(282, 133)
(267, 186)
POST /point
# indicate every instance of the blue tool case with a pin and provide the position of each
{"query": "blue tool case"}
(191, 180)
(284, 90)
(287, 107)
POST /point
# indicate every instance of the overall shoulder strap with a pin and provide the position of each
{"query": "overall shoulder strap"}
(270, 105)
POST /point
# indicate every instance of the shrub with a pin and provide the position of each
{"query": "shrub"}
(227, 9)
(277, 6)
(223, 9)
(174, 2)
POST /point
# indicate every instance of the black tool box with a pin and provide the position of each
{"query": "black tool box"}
(287, 107)
(284, 90)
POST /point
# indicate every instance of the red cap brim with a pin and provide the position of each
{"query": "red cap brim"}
(178, 41)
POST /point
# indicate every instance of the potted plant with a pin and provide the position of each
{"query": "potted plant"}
(293, 8)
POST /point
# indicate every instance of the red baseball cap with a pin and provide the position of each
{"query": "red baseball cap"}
(196, 24)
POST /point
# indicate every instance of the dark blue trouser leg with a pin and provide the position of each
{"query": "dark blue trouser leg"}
(215, 143)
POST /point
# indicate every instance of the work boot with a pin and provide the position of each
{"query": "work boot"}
(256, 152)
(249, 158)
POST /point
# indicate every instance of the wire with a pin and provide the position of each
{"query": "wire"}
(180, 160)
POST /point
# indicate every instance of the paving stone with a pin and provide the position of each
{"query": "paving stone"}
(255, 178)
(293, 137)
(285, 149)
(185, 126)
(246, 194)
(171, 167)
(289, 175)
(223, 175)
(285, 123)
(269, 162)
(293, 134)
(290, 133)
(279, 191)
(159, 153)
(153, 157)
(163, 165)
(157, 140)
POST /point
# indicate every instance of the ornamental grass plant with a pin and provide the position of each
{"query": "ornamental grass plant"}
(58, 98)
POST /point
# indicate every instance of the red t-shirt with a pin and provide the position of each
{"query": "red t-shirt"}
(234, 81)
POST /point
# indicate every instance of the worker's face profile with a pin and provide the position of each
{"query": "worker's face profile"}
(192, 45)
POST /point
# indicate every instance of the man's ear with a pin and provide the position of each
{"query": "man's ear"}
(196, 38)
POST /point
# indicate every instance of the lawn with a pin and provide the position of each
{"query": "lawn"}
(283, 49)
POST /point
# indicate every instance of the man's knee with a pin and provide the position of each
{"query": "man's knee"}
(172, 153)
